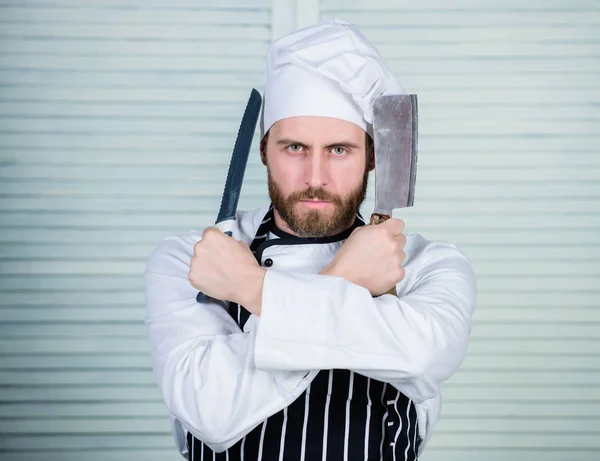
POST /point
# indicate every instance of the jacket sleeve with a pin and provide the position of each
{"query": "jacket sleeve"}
(415, 341)
(203, 362)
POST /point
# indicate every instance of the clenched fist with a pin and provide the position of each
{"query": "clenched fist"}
(224, 268)
(372, 257)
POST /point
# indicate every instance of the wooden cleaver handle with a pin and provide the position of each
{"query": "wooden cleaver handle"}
(377, 218)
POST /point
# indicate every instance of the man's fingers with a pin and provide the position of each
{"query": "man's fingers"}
(395, 226)
(401, 240)
(210, 236)
(208, 230)
(211, 232)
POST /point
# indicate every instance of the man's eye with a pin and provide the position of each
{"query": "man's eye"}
(295, 148)
(339, 150)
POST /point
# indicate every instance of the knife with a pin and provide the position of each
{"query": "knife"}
(237, 168)
(395, 130)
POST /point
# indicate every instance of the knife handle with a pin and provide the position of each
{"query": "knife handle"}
(377, 218)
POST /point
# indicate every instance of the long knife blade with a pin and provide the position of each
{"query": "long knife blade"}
(395, 126)
(239, 159)
(237, 169)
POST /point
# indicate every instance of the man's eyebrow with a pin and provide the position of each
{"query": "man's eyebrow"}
(347, 144)
(291, 142)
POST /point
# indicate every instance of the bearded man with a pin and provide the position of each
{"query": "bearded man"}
(308, 357)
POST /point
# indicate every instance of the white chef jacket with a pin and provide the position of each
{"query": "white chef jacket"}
(219, 382)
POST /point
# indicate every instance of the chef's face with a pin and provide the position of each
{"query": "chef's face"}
(317, 171)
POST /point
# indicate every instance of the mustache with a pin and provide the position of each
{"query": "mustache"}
(314, 193)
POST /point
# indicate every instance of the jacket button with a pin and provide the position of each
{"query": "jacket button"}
(268, 262)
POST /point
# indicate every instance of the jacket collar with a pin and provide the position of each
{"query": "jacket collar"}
(268, 226)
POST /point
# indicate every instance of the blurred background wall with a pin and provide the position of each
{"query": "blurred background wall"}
(117, 119)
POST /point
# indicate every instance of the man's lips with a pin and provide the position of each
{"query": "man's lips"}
(312, 203)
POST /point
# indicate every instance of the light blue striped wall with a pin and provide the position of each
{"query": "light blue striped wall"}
(117, 119)
(509, 168)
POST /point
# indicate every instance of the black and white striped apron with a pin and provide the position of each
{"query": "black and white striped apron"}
(342, 415)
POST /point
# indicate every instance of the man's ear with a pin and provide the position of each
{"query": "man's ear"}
(370, 153)
(371, 160)
(263, 150)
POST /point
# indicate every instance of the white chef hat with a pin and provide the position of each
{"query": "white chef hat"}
(330, 70)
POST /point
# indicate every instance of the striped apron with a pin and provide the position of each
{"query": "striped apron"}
(342, 415)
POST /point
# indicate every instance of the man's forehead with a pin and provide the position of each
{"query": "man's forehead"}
(323, 129)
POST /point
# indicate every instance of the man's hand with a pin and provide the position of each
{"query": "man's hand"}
(226, 269)
(372, 257)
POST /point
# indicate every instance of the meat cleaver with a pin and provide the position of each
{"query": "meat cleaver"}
(395, 136)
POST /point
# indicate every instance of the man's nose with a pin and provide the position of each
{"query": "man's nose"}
(316, 170)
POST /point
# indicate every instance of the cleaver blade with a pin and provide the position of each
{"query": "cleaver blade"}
(395, 131)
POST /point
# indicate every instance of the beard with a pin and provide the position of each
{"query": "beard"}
(318, 223)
